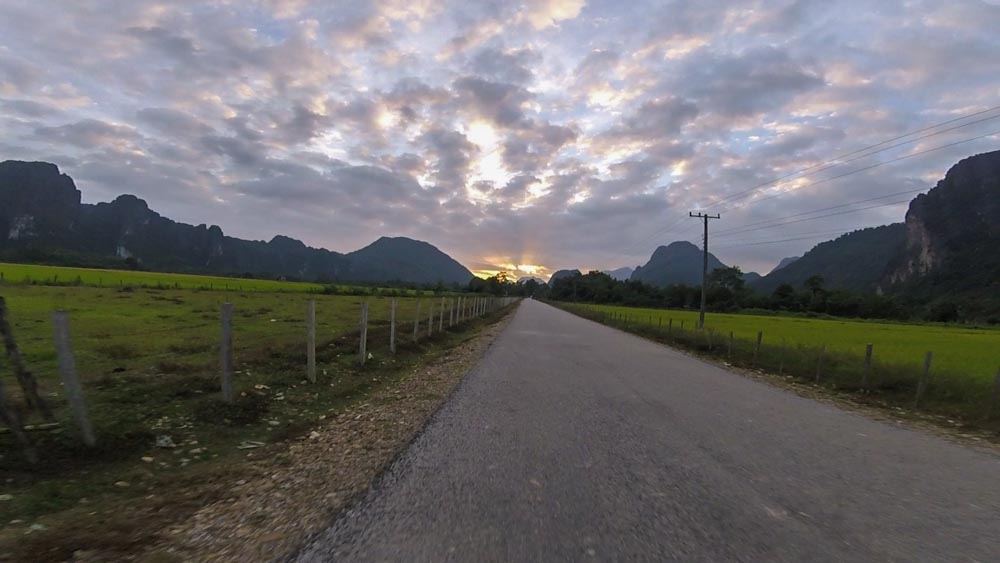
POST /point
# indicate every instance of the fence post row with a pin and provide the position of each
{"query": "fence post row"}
(363, 345)
(311, 341)
(70, 379)
(392, 326)
(226, 352)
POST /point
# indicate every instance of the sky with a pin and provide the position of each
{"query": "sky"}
(526, 137)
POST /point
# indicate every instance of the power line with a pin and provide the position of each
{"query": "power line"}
(821, 235)
(821, 216)
(837, 160)
(672, 227)
(741, 228)
(876, 165)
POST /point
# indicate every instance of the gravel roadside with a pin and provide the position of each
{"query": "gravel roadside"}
(285, 499)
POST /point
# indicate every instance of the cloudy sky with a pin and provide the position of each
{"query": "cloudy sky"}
(545, 133)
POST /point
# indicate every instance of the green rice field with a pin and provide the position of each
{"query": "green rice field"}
(32, 274)
(970, 352)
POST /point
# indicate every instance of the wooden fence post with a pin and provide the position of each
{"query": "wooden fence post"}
(819, 362)
(781, 358)
(311, 341)
(711, 335)
(392, 326)
(27, 381)
(756, 350)
(866, 374)
(924, 380)
(70, 379)
(441, 316)
(729, 353)
(10, 416)
(226, 352)
(451, 313)
(416, 323)
(363, 345)
(670, 329)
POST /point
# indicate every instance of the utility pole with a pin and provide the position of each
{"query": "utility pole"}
(704, 264)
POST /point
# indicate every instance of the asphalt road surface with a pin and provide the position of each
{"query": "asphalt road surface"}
(571, 441)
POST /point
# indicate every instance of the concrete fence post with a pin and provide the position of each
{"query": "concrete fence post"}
(781, 358)
(819, 363)
(711, 337)
(392, 326)
(670, 329)
(729, 353)
(996, 393)
(756, 349)
(226, 352)
(451, 313)
(311, 341)
(416, 323)
(363, 344)
(441, 316)
(924, 379)
(430, 318)
(70, 379)
(866, 374)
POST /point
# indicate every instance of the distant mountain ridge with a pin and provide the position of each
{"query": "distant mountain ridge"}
(559, 274)
(948, 249)
(41, 215)
(855, 261)
(620, 274)
(680, 262)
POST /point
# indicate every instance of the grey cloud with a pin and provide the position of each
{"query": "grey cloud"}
(175, 46)
(453, 152)
(757, 81)
(88, 133)
(28, 108)
(171, 122)
(531, 149)
(240, 151)
(511, 66)
(500, 102)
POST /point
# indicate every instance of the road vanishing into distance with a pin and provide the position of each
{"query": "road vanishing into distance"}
(572, 441)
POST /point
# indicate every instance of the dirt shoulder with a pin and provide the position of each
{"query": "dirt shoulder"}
(283, 498)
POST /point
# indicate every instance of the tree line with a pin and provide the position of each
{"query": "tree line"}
(726, 292)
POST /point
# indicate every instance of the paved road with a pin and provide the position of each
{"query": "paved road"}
(571, 441)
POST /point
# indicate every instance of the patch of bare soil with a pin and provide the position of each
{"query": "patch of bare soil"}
(281, 500)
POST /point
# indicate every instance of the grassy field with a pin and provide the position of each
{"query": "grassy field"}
(962, 387)
(970, 352)
(27, 274)
(148, 360)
